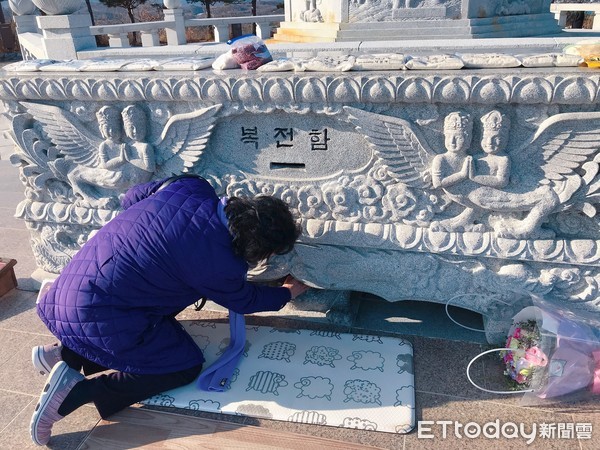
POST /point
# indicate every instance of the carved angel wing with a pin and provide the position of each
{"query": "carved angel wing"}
(566, 142)
(183, 140)
(406, 154)
(70, 136)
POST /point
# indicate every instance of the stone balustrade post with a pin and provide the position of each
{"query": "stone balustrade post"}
(176, 32)
(120, 40)
(63, 36)
(221, 32)
(561, 17)
(263, 30)
(150, 38)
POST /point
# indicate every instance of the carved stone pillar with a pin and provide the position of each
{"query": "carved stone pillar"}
(64, 36)
(176, 32)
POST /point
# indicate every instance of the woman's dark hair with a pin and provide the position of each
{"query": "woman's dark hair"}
(260, 227)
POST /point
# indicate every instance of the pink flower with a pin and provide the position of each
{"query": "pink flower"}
(520, 379)
(536, 357)
(517, 333)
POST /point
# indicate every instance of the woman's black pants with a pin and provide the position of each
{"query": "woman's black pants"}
(114, 391)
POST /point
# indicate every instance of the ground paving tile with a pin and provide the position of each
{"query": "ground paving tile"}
(67, 434)
(440, 408)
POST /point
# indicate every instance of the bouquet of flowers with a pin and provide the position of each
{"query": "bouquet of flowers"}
(524, 355)
(551, 351)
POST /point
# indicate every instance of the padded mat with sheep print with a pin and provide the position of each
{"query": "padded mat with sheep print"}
(315, 377)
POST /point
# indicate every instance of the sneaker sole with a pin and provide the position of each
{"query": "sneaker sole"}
(49, 389)
(38, 360)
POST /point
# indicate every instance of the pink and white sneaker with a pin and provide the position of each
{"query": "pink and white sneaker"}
(45, 357)
(61, 381)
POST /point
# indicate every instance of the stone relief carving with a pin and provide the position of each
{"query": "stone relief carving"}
(548, 178)
(388, 205)
(311, 13)
(431, 276)
(297, 92)
(399, 10)
(513, 8)
(371, 215)
(99, 168)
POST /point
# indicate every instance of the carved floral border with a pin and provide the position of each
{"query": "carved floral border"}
(291, 92)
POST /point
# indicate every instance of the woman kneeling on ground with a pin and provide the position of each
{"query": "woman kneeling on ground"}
(114, 305)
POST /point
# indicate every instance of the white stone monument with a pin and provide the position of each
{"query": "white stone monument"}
(414, 176)
(380, 20)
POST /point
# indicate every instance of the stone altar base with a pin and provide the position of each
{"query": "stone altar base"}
(399, 20)
(418, 185)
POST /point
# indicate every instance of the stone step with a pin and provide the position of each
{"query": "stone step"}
(282, 37)
(508, 26)
(307, 32)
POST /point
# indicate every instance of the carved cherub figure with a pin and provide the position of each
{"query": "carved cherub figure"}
(100, 168)
(491, 172)
(91, 182)
(311, 13)
(550, 166)
(493, 167)
(454, 167)
(139, 152)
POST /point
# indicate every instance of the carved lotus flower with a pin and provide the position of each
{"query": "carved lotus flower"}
(375, 213)
(59, 7)
(288, 194)
(379, 172)
(560, 278)
(265, 188)
(22, 7)
(570, 284)
(342, 200)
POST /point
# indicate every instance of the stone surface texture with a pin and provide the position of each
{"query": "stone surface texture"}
(348, 20)
(409, 185)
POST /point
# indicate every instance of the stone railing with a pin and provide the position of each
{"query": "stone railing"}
(63, 35)
(175, 29)
(560, 11)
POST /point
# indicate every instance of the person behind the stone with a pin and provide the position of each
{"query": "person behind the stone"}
(114, 304)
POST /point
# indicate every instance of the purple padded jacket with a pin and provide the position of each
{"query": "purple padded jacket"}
(114, 302)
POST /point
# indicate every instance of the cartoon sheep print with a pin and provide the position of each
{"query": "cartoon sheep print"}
(322, 356)
(362, 391)
(266, 382)
(353, 381)
(366, 360)
(278, 351)
(314, 387)
(359, 424)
